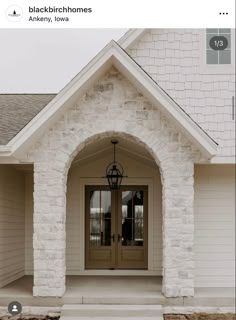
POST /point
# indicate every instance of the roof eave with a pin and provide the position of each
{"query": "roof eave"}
(6, 156)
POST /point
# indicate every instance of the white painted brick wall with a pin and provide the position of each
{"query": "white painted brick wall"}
(174, 58)
(112, 107)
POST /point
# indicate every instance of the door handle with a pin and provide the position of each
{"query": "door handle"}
(119, 237)
(113, 238)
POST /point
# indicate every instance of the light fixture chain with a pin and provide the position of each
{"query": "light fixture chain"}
(114, 171)
(114, 152)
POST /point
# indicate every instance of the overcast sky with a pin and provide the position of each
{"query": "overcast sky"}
(45, 60)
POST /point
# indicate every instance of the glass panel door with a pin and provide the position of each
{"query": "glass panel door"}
(132, 218)
(99, 239)
(100, 218)
(116, 227)
(132, 225)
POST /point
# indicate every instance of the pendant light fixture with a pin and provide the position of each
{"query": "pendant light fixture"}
(114, 171)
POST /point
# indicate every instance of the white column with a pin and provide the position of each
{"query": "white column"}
(49, 232)
(178, 230)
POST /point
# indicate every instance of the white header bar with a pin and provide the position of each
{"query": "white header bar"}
(117, 14)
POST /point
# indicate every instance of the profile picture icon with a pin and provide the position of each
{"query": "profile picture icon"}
(14, 308)
(14, 13)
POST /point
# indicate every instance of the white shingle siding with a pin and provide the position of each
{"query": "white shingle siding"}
(12, 225)
(175, 59)
(214, 212)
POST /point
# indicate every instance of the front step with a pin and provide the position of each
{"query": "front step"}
(116, 312)
(111, 318)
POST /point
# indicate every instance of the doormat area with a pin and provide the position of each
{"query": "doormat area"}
(200, 316)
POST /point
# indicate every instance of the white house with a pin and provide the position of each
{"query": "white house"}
(167, 98)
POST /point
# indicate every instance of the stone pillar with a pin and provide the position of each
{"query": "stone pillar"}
(178, 229)
(49, 239)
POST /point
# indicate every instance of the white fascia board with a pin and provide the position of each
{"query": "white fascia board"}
(6, 155)
(223, 160)
(165, 104)
(5, 149)
(129, 37)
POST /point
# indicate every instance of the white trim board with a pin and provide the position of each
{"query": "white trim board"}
(130, 37)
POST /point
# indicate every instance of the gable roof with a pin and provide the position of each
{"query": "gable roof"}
(112, 54)
(17, 110)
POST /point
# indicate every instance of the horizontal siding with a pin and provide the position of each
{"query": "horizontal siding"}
(29, 223)
(12, 224)
(214, 226)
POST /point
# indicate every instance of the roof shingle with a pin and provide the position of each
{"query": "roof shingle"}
(16, 110)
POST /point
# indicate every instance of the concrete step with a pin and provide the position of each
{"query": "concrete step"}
(116, 312)
(111, 318)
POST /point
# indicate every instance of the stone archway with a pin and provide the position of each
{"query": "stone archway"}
(113, 107)
(50, 215)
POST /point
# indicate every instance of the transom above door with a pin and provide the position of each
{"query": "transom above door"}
(116, 227)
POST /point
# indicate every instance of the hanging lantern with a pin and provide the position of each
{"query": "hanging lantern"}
(114, 171)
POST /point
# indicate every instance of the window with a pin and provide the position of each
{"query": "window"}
(218, 56)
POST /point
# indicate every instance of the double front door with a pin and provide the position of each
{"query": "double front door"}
(116, 227)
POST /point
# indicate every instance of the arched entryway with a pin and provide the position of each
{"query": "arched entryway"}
(177, 200)
(118, 230)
